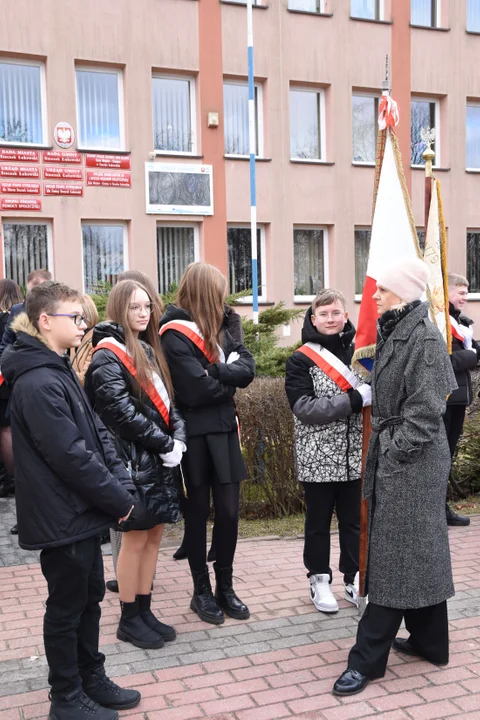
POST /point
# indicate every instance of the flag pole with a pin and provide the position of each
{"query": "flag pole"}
(252, 135)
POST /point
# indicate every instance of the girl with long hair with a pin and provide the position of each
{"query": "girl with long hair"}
(207, 366)
(10, 294)
(129, 385)
(82, 356)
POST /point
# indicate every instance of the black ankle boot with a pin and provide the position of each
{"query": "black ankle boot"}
(203, 602)
(76, 705)
(225, 594)
(166, 631)
(98, 686)
(133, 629)
(181, 553)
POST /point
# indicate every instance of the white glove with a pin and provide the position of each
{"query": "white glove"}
(174, 457)
(232, 357)
(365, 391)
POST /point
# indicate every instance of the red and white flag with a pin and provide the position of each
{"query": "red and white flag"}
(394, 237)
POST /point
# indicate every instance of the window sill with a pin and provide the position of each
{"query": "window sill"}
(188, 156)
(243, 4)
(103, 152)
(473, 171)
(475, 297)
(25, 146)
(429, 27)
(372, 20)
(249, 303)
(363, 164)
(472, 32)
(309, 12)
(246, 158)
(358, 298)
(303, 300)
(298, 161)
(435, 168)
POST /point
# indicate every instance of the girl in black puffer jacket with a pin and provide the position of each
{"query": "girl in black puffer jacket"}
(207, 366)
(129, 385)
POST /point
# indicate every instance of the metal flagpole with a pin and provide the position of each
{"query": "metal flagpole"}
(252, 134)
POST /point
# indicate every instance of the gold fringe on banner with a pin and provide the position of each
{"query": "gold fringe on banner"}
(380, 151)
(443, 248)
(403, 184)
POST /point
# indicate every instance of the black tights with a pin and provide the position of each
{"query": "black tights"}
(197, 511)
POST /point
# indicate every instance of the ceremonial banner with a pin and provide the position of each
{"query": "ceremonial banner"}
(435, 257)
(394, 237)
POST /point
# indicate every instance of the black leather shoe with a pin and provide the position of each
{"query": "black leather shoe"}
(226, 597)
(404, 645)
(203, 602)
(350, 682)
(14, 530)
(456, 520)
(98, 686)
(181, 553)
(112, 585)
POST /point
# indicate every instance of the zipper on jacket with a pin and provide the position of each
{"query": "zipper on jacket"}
(348, 449)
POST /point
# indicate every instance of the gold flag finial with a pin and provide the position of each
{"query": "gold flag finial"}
(427, 136)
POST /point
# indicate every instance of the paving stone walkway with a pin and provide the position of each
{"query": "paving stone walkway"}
(279, 664)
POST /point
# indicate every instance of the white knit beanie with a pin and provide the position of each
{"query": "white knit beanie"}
(407, 279)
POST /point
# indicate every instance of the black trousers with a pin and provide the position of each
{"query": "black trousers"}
(454, 419)
(428, 628)
(321, 499)
(76, 586)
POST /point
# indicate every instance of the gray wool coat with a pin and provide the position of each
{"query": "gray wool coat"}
(407, 468)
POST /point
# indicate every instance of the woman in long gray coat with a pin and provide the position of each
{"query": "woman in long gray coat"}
(409, 571)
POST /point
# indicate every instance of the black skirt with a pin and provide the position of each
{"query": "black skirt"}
(213, 459)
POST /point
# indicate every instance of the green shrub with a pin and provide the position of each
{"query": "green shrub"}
(266, 428)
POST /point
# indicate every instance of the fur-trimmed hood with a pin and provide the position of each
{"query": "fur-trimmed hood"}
(30, 351)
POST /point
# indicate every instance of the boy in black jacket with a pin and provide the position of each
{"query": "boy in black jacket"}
(70, 488)
(326, 398)
(464, 357)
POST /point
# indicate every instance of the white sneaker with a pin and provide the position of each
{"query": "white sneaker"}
(321, 595)
(351, 591)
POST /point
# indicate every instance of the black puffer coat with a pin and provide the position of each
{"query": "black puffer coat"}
(69, 483)
(206, 401)
(140, 432)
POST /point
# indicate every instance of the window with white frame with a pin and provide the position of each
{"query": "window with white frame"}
(473, 15)
(23, 113)
(364, 127)
(362, 248)
(310, 261)
(100, 119)
(424, 113)
(473, 261)
(313, 6)
(104, 255)
(235, 111)
(366, 9)
(425, 12)
(307, 124)
(176, 248)
(244, 2)
(239, 244)
(26, 247)
(173, 114)
(473, 136)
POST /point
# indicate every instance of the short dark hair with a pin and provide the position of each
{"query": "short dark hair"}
(46, 297)
(40, 275)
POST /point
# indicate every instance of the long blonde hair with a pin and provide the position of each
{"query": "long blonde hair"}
(117, 311)
(201, 293)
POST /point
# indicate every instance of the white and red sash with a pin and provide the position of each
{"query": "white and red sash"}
(192, 332)
(155, 390)
(331, 366)
(461, 332)
(2, 379)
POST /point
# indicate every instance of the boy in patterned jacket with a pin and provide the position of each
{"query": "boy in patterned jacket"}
(327, 397)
